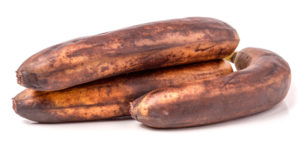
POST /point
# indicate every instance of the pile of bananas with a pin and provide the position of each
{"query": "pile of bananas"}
(166, 74)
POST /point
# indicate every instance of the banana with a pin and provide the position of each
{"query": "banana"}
(262, 81)
(108, 98)
(136, 48)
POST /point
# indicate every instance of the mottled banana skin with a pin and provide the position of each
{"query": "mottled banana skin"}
(137, 48)
(262, 81)
(108, 98)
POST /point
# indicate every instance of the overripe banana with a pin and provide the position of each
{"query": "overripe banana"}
(262, 81)
(108, 98)
(147, 46)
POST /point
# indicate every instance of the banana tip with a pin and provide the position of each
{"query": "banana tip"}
(14, 104)
(131, 110)
(19, 77)
(231, 57)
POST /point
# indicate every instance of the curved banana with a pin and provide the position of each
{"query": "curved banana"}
(262, 81)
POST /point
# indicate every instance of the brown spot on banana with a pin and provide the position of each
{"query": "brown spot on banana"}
(137, 48)
(108, 98)
(262, 81)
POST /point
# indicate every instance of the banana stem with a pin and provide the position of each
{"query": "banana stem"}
(231, 57)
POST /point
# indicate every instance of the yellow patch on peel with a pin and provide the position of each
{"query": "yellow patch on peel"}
(90, 113)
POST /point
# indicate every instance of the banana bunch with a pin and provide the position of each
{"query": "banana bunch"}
(166, 74)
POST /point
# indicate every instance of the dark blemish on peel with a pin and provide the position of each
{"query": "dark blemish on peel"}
(202, 49)
(108, 91)
(104, 68)
(220, 52)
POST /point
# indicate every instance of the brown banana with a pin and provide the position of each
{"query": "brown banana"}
(108, 98)
(262, 81)
(136, 48)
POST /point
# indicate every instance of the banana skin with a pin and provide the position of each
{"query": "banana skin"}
(146, 46)
(108, 98)
(261, 81)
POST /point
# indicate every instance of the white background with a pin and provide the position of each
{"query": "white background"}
(28, 26)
